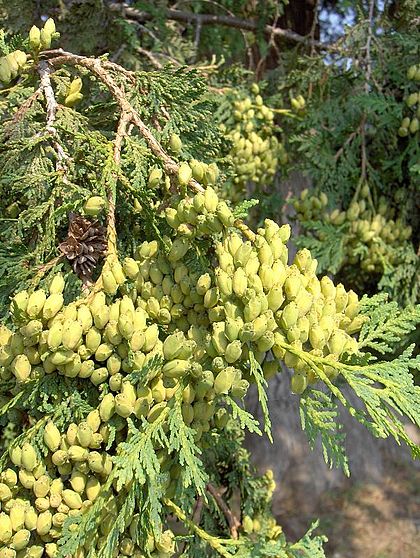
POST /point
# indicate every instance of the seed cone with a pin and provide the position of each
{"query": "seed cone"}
(85, 245)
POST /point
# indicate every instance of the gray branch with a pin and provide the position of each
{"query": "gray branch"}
(227, 21)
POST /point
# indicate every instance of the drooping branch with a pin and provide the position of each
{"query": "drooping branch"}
(169, 164)
(223, 20)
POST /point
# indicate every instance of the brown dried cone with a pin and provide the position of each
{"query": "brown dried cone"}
(85, 245)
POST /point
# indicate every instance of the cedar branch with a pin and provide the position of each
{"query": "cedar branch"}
(169, 164)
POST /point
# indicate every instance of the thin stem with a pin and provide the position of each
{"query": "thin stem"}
(346, 143)
(198, 510)
(196, 519)
(151, 56)
(368, 44)
(227, 512)
(312, 42)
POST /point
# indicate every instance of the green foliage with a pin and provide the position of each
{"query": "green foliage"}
(261, 382)
(326, 242)
(387, 324)
(318, 412)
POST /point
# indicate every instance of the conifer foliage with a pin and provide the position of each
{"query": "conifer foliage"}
(142, 308)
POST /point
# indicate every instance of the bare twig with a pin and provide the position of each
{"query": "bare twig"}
(232, 520)
(210, 19)
(347, 142)
(125, 119)
(151, 56)
(198, 28)
(198, 510)
(170, 165)
(312, 41)
(313, 28)
(219, 6)
(118, 52)
(195, 519)
(271, 43)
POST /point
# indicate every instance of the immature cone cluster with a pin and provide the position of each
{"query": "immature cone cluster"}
(38, 494)
(11, 66)
(411, 124)
(73, 95)
(298, 104)
(191, 333)
(42, 38)
(203, 214)
(376, 230)
(256, 151)
(206, 174)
